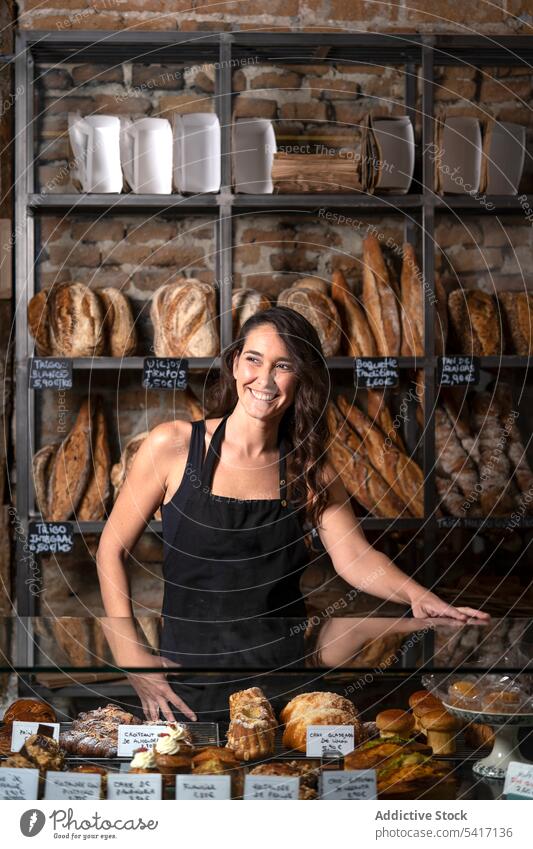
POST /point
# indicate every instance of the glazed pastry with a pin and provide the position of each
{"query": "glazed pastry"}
(252, 728)
(502, 701)
(317, 709)
(215, 760)
(95, 733)
(394, 722)
(441, 729)
(29, 710)
(143, 761)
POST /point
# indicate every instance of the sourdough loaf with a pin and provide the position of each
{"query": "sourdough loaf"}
(475, 320)
(184, 316)
(244, 304)
(70, 468)
(518, 311)
(320, 311)
(119, 326)
(76, 321)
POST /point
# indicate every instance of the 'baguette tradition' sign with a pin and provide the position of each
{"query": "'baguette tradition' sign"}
(376, 372)
(165, 373)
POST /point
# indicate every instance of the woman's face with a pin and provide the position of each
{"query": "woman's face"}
(264, 373)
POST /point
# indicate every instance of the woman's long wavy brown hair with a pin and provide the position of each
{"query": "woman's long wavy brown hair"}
(304, 424)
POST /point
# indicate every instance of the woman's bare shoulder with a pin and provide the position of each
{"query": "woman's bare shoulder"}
(173, 437)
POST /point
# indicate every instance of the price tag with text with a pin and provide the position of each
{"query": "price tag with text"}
(20, 732)
(72, 785)
(50, 373)
(50, 537)
(349, 784)
(518, 781)
(165, 373)
(134, 786)
(458, 371)
(271, 787)
(203, 787)
(376, 372)
(19, 783)
(329, 741)
(131, 737)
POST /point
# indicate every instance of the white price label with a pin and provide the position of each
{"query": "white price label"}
(134, 786)
(22, 730)
(72, 785)
(271, 787)
(131, 737)
(519, 781)
(203, 787)
(349, 784)
(329, 741)
(19, 783)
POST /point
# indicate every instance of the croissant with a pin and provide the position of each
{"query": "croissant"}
(252, 728)
(317, 709)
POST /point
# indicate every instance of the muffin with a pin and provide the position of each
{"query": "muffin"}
(143, 761)
(441, 729)
(419, 698)
(395, 723)
(173, 752)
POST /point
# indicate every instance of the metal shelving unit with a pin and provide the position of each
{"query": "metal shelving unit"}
(411, 51)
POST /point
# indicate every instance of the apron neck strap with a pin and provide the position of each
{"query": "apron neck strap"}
(213, 454)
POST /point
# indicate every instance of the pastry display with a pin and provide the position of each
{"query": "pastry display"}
(393, 722)
(173, 751)
(244, 304)
(317, 709)
(252, 728)
(216, 760)
(95, 733)
(29, 710)
(380, 300)
(184, 317)
(320, 311)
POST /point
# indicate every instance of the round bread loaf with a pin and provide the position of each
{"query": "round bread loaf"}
(184, 316)
(314, 283)
(76, 317)
(320, 311)
(29, 710)
(119, 326)
(244, 304)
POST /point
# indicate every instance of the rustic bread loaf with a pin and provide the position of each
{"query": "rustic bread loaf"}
(76, 321)
(459, 415)
(315, 283)
(452, 499)
(518, 311)
(70, 468)
(184, 316)
(42, 462)
(320, 311)
(452, 460)
(39, 322)
(357, 339)
(412, 295)
(516, 450)
(475, 320)
(494, 468)
(244, 304)
(119, 327)
(380, 300)
(93, 503)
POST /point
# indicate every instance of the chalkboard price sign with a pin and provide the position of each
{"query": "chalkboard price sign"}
(50, 537)
(376, 372)
(50, 373)
(165, 373)
(458, 371)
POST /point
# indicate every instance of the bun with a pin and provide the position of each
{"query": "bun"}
(184, 316)
(29, 710)
(320, 311)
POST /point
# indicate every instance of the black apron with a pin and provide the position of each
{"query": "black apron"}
(232, 572)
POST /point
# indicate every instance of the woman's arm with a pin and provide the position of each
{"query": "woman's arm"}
(355, 560)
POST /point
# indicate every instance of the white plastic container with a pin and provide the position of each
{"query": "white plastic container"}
(196, 153)
(146, 152)
(254, 145)
(95, 143)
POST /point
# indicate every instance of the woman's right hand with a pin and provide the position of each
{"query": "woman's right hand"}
(154, 690)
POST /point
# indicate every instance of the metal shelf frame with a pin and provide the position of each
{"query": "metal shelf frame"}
(410, 51)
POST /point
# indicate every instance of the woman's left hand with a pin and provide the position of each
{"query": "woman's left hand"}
(428, 605)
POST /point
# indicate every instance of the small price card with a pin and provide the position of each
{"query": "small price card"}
(19, 783)
(134, 786)
(22, 730)
(72, 785)
(50, 537)
(50, 373)
(165, 373)
(203, 787)
(329, 741)
(271, 787)
(131, 737)
(458, 371)
(349, 784)
(519, 781)
(376, 372)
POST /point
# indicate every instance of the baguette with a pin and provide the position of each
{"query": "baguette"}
(379, 412)
(412, 305)
(402, 474)
(358, 340)
(380, 301)
(361, 481)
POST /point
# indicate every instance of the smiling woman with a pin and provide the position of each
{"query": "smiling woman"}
(236, 492)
